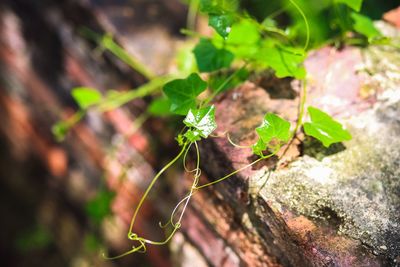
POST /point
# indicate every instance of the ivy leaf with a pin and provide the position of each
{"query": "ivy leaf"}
(285, 61)
(202, 122)
(218, 6)
(353, 4)
(324, 128)
(183, 92)
(192, 135)
(240, 46)
(222, 24)
(86, 97)
(160, 107)
(273, 127)
(209, 58)
(259, 147)
(364, 26)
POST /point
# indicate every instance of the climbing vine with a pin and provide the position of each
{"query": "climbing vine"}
(242, 45)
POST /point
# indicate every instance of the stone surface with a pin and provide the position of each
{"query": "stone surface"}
(337, 210)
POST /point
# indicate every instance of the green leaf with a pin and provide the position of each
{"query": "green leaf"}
(273, 127)
(185, 60)
(243, 40)
(218, 79)
(86, 97)
(201, 121)
(192, 135)
(218, 6)
(364, 26)
(259, 147)
(324, 128)
(221, 23)
(60, 130)
(246, 32)
(99, 207)
(160, 107)
(183, 92)
(209, 58)
(353, 4)
(285, 61)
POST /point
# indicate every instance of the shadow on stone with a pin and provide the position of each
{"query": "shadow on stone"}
(314, 148)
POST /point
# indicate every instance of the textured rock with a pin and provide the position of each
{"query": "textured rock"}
(336, 207)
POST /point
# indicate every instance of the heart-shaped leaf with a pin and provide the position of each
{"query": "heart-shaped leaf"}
(259, 147)
(183, 92)
(354, 4)
(201, 121)
(364, 26)
(324, 128)
(218, 6)
(86, 97)
(222, 24)
(273, 127)
(209, 58)
(285, 61)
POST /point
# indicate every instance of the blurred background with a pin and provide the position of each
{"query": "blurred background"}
(63, 203)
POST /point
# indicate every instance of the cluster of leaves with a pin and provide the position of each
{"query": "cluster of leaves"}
(242, 44)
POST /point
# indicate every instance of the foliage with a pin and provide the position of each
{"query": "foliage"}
(201, 123)
(245, 42)
(209, 58)
(325, 128)
(86, 97)
(182, 93)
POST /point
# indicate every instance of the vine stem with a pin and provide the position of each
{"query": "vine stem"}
(305, 22)
(219, 89)
(302, 104)
(191, 17)
(169, 164)
(236, 171)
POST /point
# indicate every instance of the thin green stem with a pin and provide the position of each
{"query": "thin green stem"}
(305, 22)
(228, 137)
(300, 116)
(119, 99)
(219, 89)
(236, 171)
(151, 186)
(302, 104)
(121, 53)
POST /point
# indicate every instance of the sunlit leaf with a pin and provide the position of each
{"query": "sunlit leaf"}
(86, 97)
(201, 121)
(160, 107)
(364, 26)
(222, 23)
(285, 61)
(185, 60)
(242, 40)
(353, 4)
(209, 58)
(273, 127)
(244, 33)
(218, 6)
(183, 92)
(324, 128)
(259, 147)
